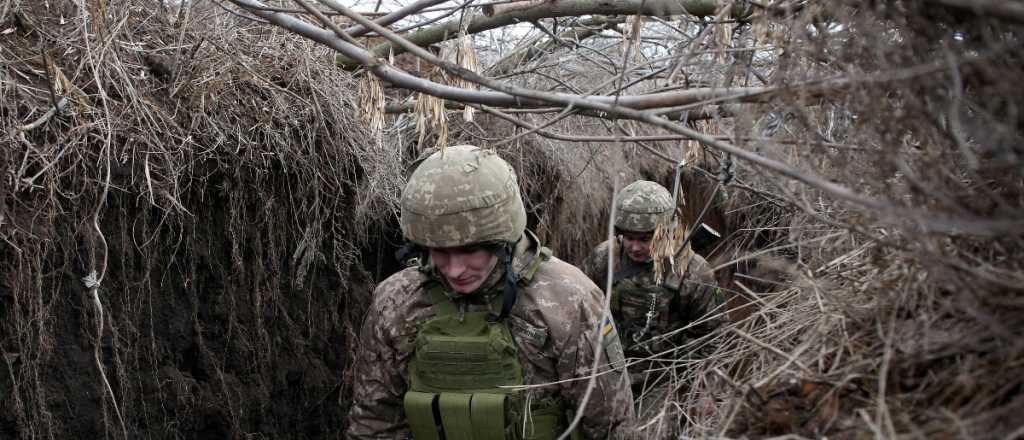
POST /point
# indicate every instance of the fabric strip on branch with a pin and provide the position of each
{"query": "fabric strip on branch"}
(372, 102)
(430, 110)
(467, 59)
(430, 118)
(666, 245)
(632, 38)
(723, 41)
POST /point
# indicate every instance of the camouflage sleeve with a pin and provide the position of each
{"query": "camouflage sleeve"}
(596, 266)
(703, 302)
(377, 382)
(609, 410)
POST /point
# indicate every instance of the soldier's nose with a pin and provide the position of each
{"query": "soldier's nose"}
(455, 267)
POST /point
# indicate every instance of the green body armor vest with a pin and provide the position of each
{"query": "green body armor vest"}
(642, 307)
(460, 363)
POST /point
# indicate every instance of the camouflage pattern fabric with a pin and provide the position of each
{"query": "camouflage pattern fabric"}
(553, 323)
(461, 196)
(640, 205)
(679, 302)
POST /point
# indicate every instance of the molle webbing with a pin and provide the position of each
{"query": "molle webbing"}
(464, 353)
(458, 373)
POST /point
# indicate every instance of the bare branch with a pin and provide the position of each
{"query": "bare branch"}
(63, 102)
(614, 106)
(497, 99)
(304, 11)
(536, 11)
(358, 30)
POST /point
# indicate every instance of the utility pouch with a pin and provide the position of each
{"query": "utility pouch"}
(460, 373)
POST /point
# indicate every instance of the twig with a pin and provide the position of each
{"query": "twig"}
(358, 30)
(327, 22)
(306, 11)
(63, 102)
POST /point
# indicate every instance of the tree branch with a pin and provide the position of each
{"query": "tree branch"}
(615, 107)
(358, 30)
(535, 11)
(492, 98)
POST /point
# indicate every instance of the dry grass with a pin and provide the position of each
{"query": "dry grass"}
(210, 174)
(216, 177)
(850, 322)
(895, 322)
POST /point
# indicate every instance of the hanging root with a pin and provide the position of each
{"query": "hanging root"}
(92, 283)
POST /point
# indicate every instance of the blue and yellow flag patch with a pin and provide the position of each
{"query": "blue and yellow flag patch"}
(613, 354)
(607, 327)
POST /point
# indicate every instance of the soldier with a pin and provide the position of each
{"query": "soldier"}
(486, 309)
(653, 317)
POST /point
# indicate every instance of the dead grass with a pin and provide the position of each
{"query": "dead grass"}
(848, 322)
(216, 177)
(210, 175)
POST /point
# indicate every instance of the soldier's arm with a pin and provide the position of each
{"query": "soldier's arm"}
(377, 384)
(596, 265)
(703, 302)
(609, 410)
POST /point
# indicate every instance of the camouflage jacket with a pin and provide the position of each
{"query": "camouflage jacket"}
(692, 301)
(553, 323)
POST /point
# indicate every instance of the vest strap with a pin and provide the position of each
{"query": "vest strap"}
(544, 254)
(444, 306)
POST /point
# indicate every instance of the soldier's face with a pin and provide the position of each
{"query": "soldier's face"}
(637, 246)
(465, 269)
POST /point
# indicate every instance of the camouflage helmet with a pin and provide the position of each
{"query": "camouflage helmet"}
(462, 196)
(640, 205)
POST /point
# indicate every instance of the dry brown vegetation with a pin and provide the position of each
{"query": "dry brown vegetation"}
(188, 243)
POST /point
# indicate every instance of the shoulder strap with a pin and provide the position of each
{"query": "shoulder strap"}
(442, 304)
(544, 254)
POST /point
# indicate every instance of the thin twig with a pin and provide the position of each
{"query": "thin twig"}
(63, 102)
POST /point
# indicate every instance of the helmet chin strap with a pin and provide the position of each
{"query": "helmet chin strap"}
(505, 254)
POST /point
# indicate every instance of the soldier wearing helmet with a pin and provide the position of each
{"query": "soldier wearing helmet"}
(653, 317)
(449, 343)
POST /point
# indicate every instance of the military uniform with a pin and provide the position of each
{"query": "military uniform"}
(691, 301)
(654, 317)
(552, 322)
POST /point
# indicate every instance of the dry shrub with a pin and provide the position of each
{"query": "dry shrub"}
(899, 319)
(213, 178)
(221, 173)
(890, 318)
